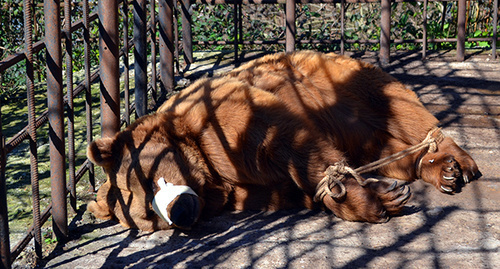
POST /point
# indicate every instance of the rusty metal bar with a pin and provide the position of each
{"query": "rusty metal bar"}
(4, 213)
(424, 36)
(154, 80)
(108, 58)
(240, 24)
(23, 242)
(166, 15)
(342, 27)
(42, 119)
(385, 32)
(176, 39)
(187, 35)
(461, 30)
(140, 64)
(495, 25)
(28, 38)
(235, 25)
(56, 119)
(87, 87)
(126, 64)
(290, 25)
(13, 59)
(70, 106)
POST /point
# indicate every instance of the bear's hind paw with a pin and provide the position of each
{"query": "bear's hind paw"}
(392, 197)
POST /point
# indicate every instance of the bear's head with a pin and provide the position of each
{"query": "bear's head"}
(142, 160)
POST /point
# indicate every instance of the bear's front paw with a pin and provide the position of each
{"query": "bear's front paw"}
(445, 173)
(449, 175)
(450, 168)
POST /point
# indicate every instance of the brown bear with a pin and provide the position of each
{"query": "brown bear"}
(263, 135)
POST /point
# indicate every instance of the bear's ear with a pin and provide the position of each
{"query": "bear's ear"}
(100, 152)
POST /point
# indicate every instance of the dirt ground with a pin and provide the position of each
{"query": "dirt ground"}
(435, 231)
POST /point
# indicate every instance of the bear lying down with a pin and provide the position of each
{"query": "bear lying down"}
(261, 138)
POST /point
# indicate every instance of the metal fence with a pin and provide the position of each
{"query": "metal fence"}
(160, 32)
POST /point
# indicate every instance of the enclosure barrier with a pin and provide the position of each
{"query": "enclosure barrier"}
(111, 48)
(290, 40)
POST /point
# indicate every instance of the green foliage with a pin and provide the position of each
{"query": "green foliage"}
(260, 22)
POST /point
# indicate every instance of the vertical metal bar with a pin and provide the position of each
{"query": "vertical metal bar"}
(140, 65)
(187, 35)
(28, 39)
(88, 90)
(108, 58)
(461, 30)
(166, 15)
(385, 32)
(424, 42)
(154, 82)
(176, 39)
(235, 25)
(495, 25)
(4, 213)
(443, 14)
(240, 20)
(290, 25)
(56, 119)
(342, 27)
(71, 108)
(126, 64)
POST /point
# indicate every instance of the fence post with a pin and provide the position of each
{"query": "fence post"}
(424, 42)
(236, 31)
(342, 27)
(495, 23)
(108, 63)
(385, 32)
(30, 88)
(461, 30)
(56, 118)
(88, 90)
(4, 213)
(166, 16)
(187, 35)
(140, 55)
(126, 64)
(290, 25)
(71, 107)
(154, 83)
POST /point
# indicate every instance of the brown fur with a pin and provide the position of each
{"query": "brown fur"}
(262, 136)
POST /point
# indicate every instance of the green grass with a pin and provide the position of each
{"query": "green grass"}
(18, 176)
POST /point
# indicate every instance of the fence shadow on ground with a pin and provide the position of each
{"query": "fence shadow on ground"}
(460, 228)
(255, 239)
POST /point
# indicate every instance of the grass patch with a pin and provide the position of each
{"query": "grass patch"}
(18, 175)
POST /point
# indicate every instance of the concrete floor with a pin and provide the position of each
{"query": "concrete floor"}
(435, 231)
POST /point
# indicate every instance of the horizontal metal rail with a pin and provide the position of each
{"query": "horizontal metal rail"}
(290, 40)
(15, 58)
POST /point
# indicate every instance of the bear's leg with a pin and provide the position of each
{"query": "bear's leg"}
(449, 168)
(100, 208)
(372, 203)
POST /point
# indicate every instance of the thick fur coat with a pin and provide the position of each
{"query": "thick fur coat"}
(262, 136)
